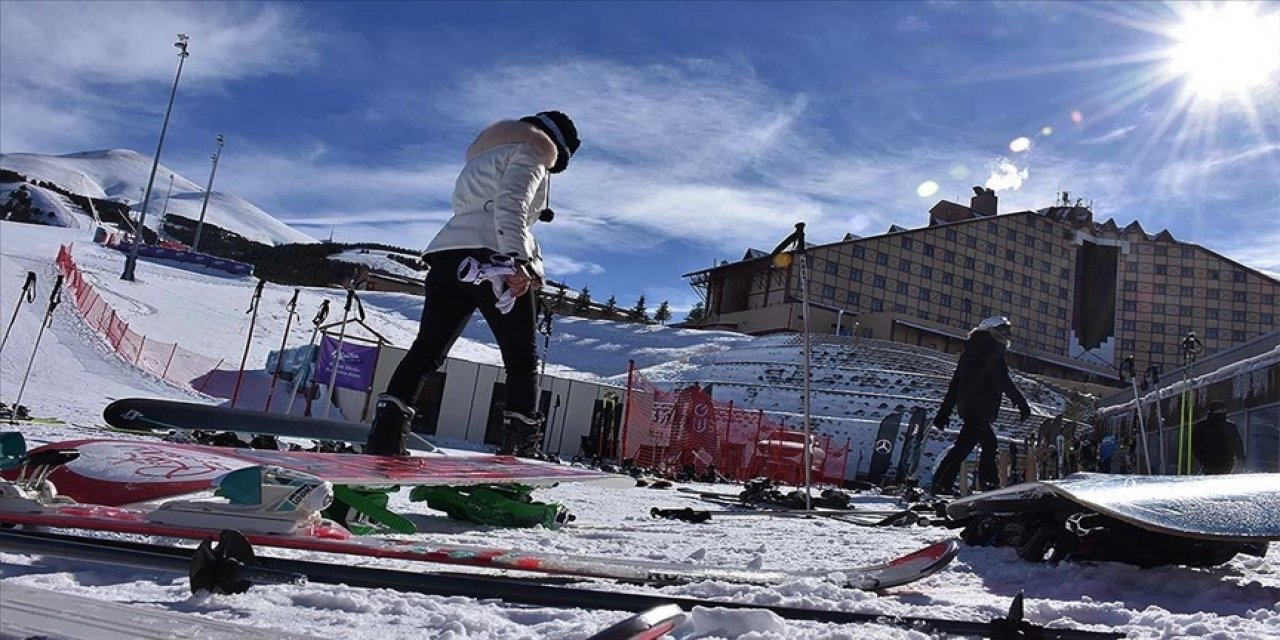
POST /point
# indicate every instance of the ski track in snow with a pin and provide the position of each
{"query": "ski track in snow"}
(76, 374)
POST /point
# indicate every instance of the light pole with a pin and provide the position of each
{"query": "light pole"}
(195, 244)
(132, 260)
(164, 212)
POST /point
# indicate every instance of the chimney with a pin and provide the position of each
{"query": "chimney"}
(983, 201)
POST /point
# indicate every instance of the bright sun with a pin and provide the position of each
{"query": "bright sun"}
(1225, 48)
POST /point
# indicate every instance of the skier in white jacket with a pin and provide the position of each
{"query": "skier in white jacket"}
(486, 257)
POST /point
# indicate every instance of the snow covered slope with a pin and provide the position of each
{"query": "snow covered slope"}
(121, 174)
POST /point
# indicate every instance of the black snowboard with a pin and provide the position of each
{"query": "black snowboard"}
(882, 448)
(140, 414)
(912, 444)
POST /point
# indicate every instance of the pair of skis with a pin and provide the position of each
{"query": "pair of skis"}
(232, 565)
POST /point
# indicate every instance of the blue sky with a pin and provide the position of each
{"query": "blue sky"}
(707, 127)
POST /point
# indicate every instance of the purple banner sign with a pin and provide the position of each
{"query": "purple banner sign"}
(356, 370)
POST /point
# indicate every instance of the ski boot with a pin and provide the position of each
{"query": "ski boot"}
(390, 430)
(522, 436)
(363, 510)
(499, 505)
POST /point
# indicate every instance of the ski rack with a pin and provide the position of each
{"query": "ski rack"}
(231, 564)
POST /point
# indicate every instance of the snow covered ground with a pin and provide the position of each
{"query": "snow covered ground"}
(76, 374)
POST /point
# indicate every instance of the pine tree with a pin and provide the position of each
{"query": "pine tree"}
(639, 313)
(611, 307)
(663, 314)
(583, 303)
(557, 303)
(697, 314)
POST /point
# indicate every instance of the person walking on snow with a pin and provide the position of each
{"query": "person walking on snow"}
(1216, 442)
(486, 257)
(980, 378)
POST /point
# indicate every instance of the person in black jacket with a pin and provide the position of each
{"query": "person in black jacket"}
(980, 378)
(1216, 442)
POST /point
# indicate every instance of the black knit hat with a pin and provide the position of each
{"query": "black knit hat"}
(562, 131)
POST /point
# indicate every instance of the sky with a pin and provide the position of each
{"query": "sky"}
(707, 128)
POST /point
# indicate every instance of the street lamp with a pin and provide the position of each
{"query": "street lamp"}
(131, 262)
(164, 212)
(195, 244)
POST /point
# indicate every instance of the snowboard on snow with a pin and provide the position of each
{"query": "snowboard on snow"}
(118, 472)
(1231, 508)
(146, 414)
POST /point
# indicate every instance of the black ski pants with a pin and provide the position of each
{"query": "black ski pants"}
(973, 432)
(446, 310)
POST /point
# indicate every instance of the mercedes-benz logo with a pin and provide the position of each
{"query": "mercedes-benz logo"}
(883, 446)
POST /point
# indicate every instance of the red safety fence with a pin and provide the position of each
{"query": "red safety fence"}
(668, 430)
(162, 359)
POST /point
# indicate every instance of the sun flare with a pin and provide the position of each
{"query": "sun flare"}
(1225, 48)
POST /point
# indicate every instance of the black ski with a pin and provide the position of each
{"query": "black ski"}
(232, 566)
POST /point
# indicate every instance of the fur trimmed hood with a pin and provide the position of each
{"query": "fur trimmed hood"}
(515, 132)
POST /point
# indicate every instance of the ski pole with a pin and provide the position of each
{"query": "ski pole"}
(253, 321)
(28, 295)
(781, 257)
(1152, 374)
(337, 354)
(544, 327)
(291, 308)
(1127, 370)
(55, 297)
(1191, 347)
(315, 332)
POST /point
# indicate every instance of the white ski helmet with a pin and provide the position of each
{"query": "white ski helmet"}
(997, 325)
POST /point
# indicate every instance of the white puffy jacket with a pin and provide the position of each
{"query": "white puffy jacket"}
(500, 193)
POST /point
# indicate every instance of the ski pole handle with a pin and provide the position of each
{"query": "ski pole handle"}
(321, 314)
(55, 297)
(29, 287)
(257, 295)
(351, 295)
(292, 307)
(686, 514)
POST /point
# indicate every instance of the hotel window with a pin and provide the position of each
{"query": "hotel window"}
(927, 249)
(1007, 295)
(855, 275)
(1239, 296)
(859, 252)
(1012, 235)
(1031, 242)
(991, 248)
(944, 300)
(948, 278)
(1066, 273)
(899, 308)
(1160, 289)
(882, 259)
(1214, 274)
(1028, 281)
(1157, 347)
(1268, 298)
(904, 265)
(1157, 328)
(1238, 316)
(903, 288)
(1188, 272)
(1184, 310)
(877, 304)
(1211, 333)
(1042, 327)
(967, 284)
(1184, 290)
(951, 234)
(1238, 336)
(1211, 294)
(988, 290)
(966, 305)
(1010, 255)
(926, 273)
(1238, 276)
(828, 291)
(1128, 345)
(1162, 270)
(1062, 293)
(1129, 305)
(1044, 287)
(949, 256)
(1129, 266)
(1158, 308)
(878, 281)
(988, 268)
(906, 242)
(1162, 251)
(832, 267)
(1129, 325)
(970, 263)
(991, 226)
(853, 298)
(1211, 313)
(972, 241)
(1008, 275)
(924, 295)
(1267, 319)
(1188, 252)
(1025, 302)
(1043, 307)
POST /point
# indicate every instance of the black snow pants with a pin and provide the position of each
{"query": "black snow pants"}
(974, 432)
(448, 307)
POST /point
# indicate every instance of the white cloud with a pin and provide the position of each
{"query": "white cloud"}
(1118, 133)
(1006, 176)
(558, 266)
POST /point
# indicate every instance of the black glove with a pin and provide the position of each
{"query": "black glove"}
(941, 421)
(1024, 412)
